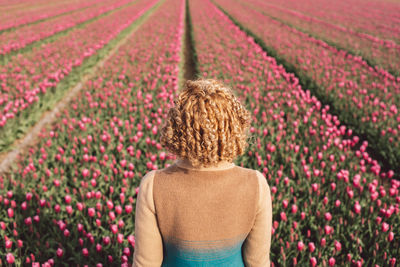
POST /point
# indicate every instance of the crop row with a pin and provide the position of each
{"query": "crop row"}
(330, 206)
(37, 12)
(384, 54)
(21, 37)
(28, 77)
(362, 97)
(72, 199)
(372, 19)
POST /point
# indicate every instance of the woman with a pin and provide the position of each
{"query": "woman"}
(203, 210)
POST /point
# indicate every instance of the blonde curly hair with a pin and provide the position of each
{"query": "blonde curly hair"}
(207, 124)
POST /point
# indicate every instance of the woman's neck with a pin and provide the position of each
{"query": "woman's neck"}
(186, 164)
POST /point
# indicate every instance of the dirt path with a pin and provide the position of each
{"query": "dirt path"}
(188, 50)
(31, 138)
(188, 63)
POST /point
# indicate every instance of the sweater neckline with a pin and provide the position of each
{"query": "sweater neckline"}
(223, 165)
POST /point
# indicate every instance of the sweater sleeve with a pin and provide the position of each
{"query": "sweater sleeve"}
(256, 248)
(148, 242)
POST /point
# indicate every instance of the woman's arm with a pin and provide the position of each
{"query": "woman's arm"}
(148, 241)
(256, 248)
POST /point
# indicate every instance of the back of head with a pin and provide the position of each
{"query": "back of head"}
(207, 124)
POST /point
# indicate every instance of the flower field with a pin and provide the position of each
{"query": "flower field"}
(22, 13)
(26, 79)
(15, 40)
(381, 52)
(69, 199)
(372, 19)
(364, 98)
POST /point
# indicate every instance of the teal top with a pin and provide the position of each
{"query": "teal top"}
(206, 255)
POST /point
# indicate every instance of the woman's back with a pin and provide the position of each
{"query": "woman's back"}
(210, 217)
(205, 216)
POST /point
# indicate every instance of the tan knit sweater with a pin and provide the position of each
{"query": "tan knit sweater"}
(216, 216)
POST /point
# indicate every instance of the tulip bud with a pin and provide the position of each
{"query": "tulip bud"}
(338, 246)
(85, 252)
(10, 258)
(311, 247)
(91, 212)
(313, 261)
(59, 252)
(300, 246)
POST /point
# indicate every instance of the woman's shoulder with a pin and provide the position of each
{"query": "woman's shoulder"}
(146, 183)
(256, 174)
(253, 172)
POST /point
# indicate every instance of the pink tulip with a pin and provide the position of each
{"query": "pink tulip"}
(118, 209)
(131, 240)
(79, 206)
(10, 212)
(390, 236)
(85, 173)
(323, 241)
(28, 221)
(331, 261)
(110, 205)
(328, 216)
(300, 246)
(114, 228)
(357, 208)
(294, 208)
(328, 230)
(28, 196)
(338, 246)
(311, 247)
(10, 258)
(59, 252)
(85, 252)
(385, 227)
(106, 240)
(285, 203)
(120, 238)
(91, 212)
(313, 261)
(67, 199)
(128, 209)
(8, 244)
(283, 216)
